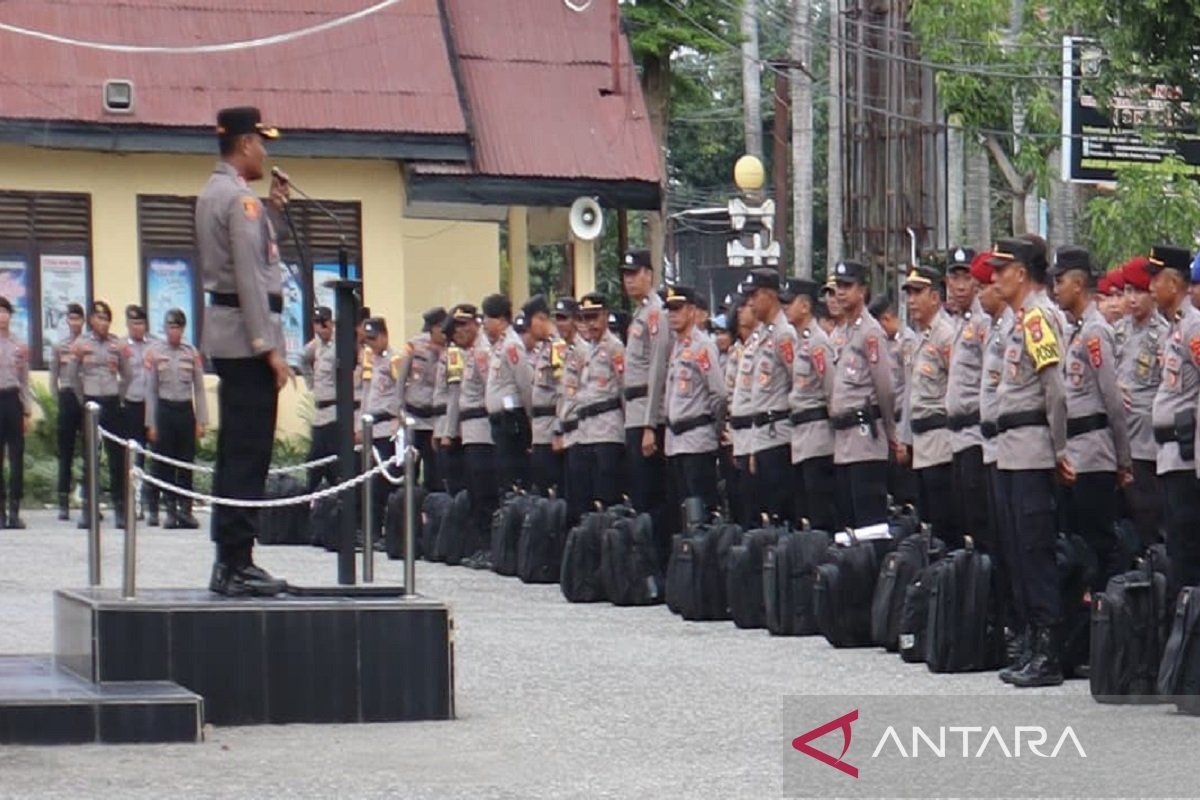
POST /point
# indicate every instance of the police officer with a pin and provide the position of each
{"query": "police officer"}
(1174, 413)
(647, 349)
(100, 372)
(861, 405)
(695, 405)
(449, 467)
(381, 399)
(134, 406)
(1097, 433)
(469, 421)
(546, 361)
(1139, 373)
(418, 370)
(596, 456)
(508, 398)
(176, 413)
(812, 433)
(239, 262)
(901, 348)
(743, 494)
(318, 364)
(1031, 445)
(16, 406)
(566, 419)
(927, 429)
(70, 413)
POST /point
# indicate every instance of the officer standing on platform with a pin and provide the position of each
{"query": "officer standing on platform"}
(812, 434)
(1097, 433)
(239, 263)
(932, 453)
(546, 360)
(70, 413)
(647, 348)
(381, 399)
(1139, 373)
(509, 393)
(418, 371)
(16, 406)
(100, 371)
(137, 343)
(469, 421)
(596, 462)
(1174, 414)
(176, 413)
(861, 405)
(318, 364)
(1031, 444)
(695, 406)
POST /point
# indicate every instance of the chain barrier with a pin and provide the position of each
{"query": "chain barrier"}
(396, 459)
(207, 469)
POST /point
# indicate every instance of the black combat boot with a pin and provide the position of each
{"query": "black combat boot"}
(14, 517)
(1045, 668)
(183, 516)
(64, 506)
(1020, 653)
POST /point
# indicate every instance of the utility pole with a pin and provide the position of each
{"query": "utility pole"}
(800, 53)
(837, 93)
(751, 80)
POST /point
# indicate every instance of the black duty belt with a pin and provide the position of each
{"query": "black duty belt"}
(176, 405)
(332, 403)
(468, 414)
(15, 391)
(852, 419)
(682, 426)
(544, 411)
(960, 422)
(770, 417)
(603, 407)
(744, 422)
(809, 415)
(384, 416)
(231, 300)
(934, 422)
(500, 416)
(420, 412)
(1021, 419)
(570, 425)
(988, 429)
(636, 392)
(1078, 426)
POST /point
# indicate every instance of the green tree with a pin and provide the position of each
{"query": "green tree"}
(1152, 204)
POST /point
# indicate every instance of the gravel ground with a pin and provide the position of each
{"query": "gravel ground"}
(554, 700)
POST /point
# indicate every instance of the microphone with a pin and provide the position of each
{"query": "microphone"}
(282, 177)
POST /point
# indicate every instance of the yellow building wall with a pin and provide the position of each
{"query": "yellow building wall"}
(409, 264)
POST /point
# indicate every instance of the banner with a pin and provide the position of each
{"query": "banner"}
(14, 284)
(64, 281)
(170, 283)
(293, 312)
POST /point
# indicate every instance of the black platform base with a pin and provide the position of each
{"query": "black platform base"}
(44, 704)
(268, 660)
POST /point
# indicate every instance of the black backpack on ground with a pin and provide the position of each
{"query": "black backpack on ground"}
(1130, 622)
(914, 617)
(507, 521)
(579, 574)
(433, 512)
(789, 579)
(744, 577)
(284, 524)
(628, 562)
(1179, 672)
(1077, 565)
(540, 546)
(455, 537)
(695, 583)
(964, 632)
(900, 568)
(903, 522)
(395, 523)
(325, 519)
(845, 585)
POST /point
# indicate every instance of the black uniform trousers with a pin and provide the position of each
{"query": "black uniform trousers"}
(935, 502)
(1181, 493)
(423, 441)
(12, 445)
(816, 492)
(450, 469)
(113, 421)
(134, 412)
(511, 434)
(248, 405)
(322, 443)
(692, 475)
(773, 483)
(646, 479)
(970, 495)
(1027, 515)
(480, 460)
(594, 474)
(1002, 554)
(1091, 515)
(381, 486)
(546, 470)
(862, 492)
(175, 421)
(728, 472)
(70, 424)
(1144, 498)
(901, 482)
(744, 495)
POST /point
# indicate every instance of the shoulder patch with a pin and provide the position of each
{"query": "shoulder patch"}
(1040, 341)
(513, 355)
(618, 360)
(1194, 346)
(652, 321)
(251, 208)
(1093, 348)
(787, 351)
(703, 361)
(873, 349)
(818, 360)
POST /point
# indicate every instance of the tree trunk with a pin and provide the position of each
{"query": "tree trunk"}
(751, 80)
(1062, 207)
(833, 208)
(956, 185)
(656, 86)
(977, 196)
(802, 139)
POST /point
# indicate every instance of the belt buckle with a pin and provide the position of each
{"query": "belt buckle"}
(863, 428)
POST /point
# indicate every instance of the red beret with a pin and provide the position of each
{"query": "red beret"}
(1116, 281)
(981, 270)
(1136, 273)
(1103, 286)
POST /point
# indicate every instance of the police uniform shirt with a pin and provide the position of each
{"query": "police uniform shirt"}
(741, 406)
(992, 372)
(1091, 384)
(546, 361)
(382, 394)
(600, 381)
(1138, 375)
(510, 375)
(966, 365)
(773, 360)
(575, 357)
(418, 370)
(695, 389)
(175, 374)
(649, 345)
(99, 367)
(238, 254)
(1176, 399)
(837, 337)
(472, 396)
(812, 383)
(448, 373)
(14, 370)
(135, 352)
(1031, 381)
(1121, 330)
(318, 364)
(60, 362)
(862, 383)
(927, 384)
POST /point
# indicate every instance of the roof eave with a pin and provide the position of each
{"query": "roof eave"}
(532, 190)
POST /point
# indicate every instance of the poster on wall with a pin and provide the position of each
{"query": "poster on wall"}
(322, 294)
(293, 312)
(14, 284)
(64, 281)
(170, 284)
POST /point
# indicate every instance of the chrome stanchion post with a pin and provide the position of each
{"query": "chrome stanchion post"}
(368, 510)
(91, 477)
(410, 510)
(129, 575)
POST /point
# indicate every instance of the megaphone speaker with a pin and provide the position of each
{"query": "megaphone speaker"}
(586, 219)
